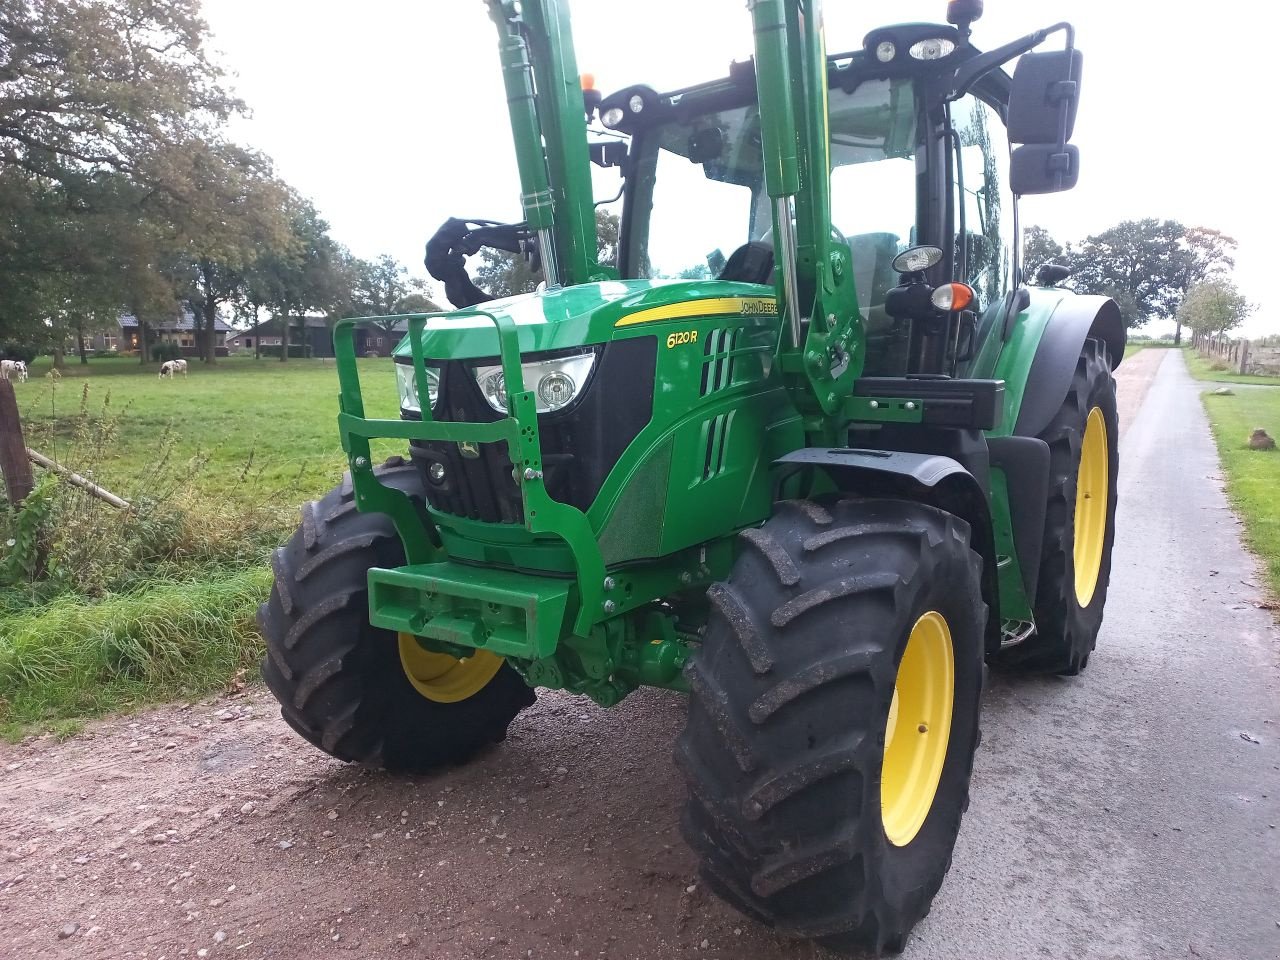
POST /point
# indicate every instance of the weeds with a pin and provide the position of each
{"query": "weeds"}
(66, 659)
(102, 608)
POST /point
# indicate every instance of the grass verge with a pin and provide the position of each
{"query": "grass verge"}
(1253, 476)
(1203, 369)
(67, 660)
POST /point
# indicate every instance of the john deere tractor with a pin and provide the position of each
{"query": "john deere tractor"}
(813, 448)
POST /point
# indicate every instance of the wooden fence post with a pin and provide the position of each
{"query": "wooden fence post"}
(14, 463)
(1244, 356)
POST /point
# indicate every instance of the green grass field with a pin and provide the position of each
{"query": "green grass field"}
(231, 452)
(1202, 369)
(251, 425)
(1253, 476)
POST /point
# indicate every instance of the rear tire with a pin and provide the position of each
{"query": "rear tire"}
(1067, 628)
(340, 681)
(790, 806)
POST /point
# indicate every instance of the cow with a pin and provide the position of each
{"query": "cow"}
(170, 367)
(13, 369)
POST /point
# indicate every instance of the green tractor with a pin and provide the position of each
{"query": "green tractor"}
(818, 482)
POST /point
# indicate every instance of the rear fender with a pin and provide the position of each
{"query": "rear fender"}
(1049, 369)
(934, 480)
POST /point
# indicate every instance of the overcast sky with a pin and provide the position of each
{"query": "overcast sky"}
(390, 115)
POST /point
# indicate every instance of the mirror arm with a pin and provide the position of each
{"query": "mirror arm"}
(968, 73)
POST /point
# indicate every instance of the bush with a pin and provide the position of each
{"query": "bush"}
(301, 351)
(12, 350)
(161, 352)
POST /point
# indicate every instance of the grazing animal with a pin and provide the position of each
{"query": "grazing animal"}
(13, 369)
(170, 367)
(1261, 440)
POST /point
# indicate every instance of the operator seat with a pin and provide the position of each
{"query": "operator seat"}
(750, 263)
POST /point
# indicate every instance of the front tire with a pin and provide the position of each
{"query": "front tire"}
(833, 719)
(359, 693)
(1080, 520)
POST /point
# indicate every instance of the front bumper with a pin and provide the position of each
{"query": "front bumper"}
(542, 516)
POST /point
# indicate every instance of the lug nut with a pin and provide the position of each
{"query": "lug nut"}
(436, 471)
(610, 606)
(609, 583)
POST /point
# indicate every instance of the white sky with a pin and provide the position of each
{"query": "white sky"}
(390, 114)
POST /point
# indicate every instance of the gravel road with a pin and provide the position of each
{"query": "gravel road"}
(1131, 812)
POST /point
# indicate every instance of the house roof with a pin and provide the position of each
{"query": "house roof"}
(183, 323)
(271, 328)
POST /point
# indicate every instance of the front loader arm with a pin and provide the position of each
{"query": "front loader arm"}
(815, 277)
(548, 124)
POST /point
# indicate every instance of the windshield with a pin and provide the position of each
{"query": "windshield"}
(700, 191)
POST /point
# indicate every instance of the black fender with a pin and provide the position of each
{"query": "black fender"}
(1024, 461)
(1076, 319)
(927, 478)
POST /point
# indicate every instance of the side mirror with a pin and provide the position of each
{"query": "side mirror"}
(1042, 84)
(1050, 274)
(1042, 168)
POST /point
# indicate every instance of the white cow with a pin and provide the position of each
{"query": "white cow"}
(13, 369)
(170, 367)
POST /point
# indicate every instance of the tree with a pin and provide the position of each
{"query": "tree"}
(1039, 248)
(381, 287)
(1204, 254)
(1139, 259)
(301, 276)
(93, 85)
(416, 303)
(505, 274)
(240, 213)
(111, 125)
(1214, 307)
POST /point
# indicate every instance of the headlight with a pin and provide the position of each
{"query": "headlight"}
(935, 48)
(407, 385)
(554, 382)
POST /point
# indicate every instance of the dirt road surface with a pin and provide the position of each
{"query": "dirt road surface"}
(1130, 812)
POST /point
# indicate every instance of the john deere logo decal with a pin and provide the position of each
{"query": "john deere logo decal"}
(469, 450)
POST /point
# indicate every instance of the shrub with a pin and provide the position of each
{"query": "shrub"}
(161, 352)
(12, 350)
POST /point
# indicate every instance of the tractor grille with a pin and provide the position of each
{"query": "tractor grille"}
(580, 443)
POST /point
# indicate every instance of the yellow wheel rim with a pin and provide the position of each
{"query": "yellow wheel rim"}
(446, 679)
(1091, 506)
(919, 728)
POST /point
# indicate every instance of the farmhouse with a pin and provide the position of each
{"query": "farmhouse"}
(181, 330)
(317, 334)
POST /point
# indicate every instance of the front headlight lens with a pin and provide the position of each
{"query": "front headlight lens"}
(407, 385)
(555, 382)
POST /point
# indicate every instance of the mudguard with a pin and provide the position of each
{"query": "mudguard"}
(925, 478)
(1076, 319)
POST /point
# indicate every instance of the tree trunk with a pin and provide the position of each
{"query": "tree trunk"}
(285, 329)
(82, 348)
(210, 307)
(59, 356)
(1177, 333)
(142, 341)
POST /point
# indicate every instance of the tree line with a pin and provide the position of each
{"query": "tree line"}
(121, 192)
(1154, 269)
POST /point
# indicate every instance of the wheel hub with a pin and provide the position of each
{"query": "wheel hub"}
(1091, 507)
(442, 678)
(918, 729)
